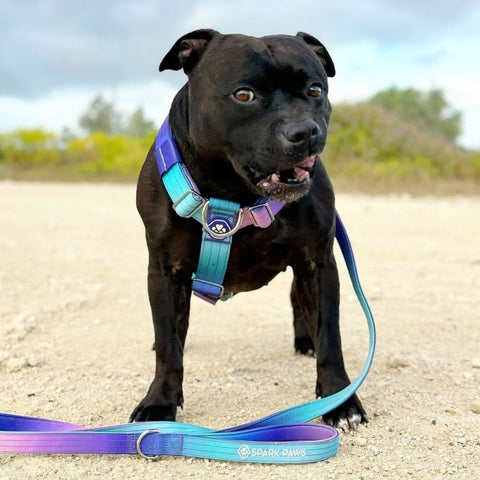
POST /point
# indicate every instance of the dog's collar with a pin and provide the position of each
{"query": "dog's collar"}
(220, 219)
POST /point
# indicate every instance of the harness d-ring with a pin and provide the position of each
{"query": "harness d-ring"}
(139, 445)
(218, 233)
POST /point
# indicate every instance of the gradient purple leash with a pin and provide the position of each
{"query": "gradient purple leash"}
(283, 437)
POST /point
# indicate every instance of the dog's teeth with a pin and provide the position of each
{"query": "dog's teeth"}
(275, 177)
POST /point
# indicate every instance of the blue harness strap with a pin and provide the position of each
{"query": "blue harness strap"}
(280, 438)
(219, 217)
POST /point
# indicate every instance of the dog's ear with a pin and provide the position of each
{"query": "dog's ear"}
(187, 51)
(321, 51)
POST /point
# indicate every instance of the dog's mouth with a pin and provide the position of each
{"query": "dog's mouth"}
(290, 184)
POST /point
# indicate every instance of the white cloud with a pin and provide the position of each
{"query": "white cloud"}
(64, 107)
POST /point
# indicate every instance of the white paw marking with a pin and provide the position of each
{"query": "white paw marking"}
(343, 425)
(354, 420)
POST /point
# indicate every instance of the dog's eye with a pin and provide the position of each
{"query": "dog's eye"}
(315, 91)
(244, 95)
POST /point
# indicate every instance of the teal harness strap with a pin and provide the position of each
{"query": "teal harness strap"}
(187, 201)
(220, 218)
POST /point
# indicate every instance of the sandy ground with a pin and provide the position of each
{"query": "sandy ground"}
(76, 336)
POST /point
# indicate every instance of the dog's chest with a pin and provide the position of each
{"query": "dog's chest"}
(254, 261)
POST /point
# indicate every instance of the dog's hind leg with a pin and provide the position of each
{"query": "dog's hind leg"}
(303, 338)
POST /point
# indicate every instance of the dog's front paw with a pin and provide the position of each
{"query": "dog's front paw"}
(152, 413)
(347, 416)
(160, 403)
(152, 410)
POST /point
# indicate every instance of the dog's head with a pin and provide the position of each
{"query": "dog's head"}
(259, 103)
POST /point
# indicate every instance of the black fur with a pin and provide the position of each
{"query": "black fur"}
(231, 148)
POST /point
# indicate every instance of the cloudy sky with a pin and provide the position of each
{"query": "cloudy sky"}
(56, 55)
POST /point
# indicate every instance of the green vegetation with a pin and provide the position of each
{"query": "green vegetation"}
(370, 147)
(113, 150)
(102, 116)
(428, 110)
(383, 144)
(98, 156)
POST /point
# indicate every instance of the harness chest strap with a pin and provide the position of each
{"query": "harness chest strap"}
(215, 250)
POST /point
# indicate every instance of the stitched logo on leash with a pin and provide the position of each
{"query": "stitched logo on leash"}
(244, 452)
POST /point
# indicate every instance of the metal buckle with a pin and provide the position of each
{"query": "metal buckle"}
(139, 445)
(216, 234)
(184, 196)
(269, 211)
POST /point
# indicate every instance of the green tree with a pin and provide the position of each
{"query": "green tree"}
(101, 116)
(138, 126)
(429, 110)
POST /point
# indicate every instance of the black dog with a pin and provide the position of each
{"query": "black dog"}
(250, 122)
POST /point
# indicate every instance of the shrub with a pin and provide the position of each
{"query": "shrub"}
(368, 140)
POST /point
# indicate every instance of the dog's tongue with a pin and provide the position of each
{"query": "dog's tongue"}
(308, 163)
(301, 170)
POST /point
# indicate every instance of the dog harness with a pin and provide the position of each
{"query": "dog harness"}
(282, 437)
(220, 219)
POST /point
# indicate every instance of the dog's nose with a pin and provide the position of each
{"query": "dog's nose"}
(305, 132)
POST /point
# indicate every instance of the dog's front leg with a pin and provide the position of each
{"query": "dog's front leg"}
(315, 298)
(170, 303)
